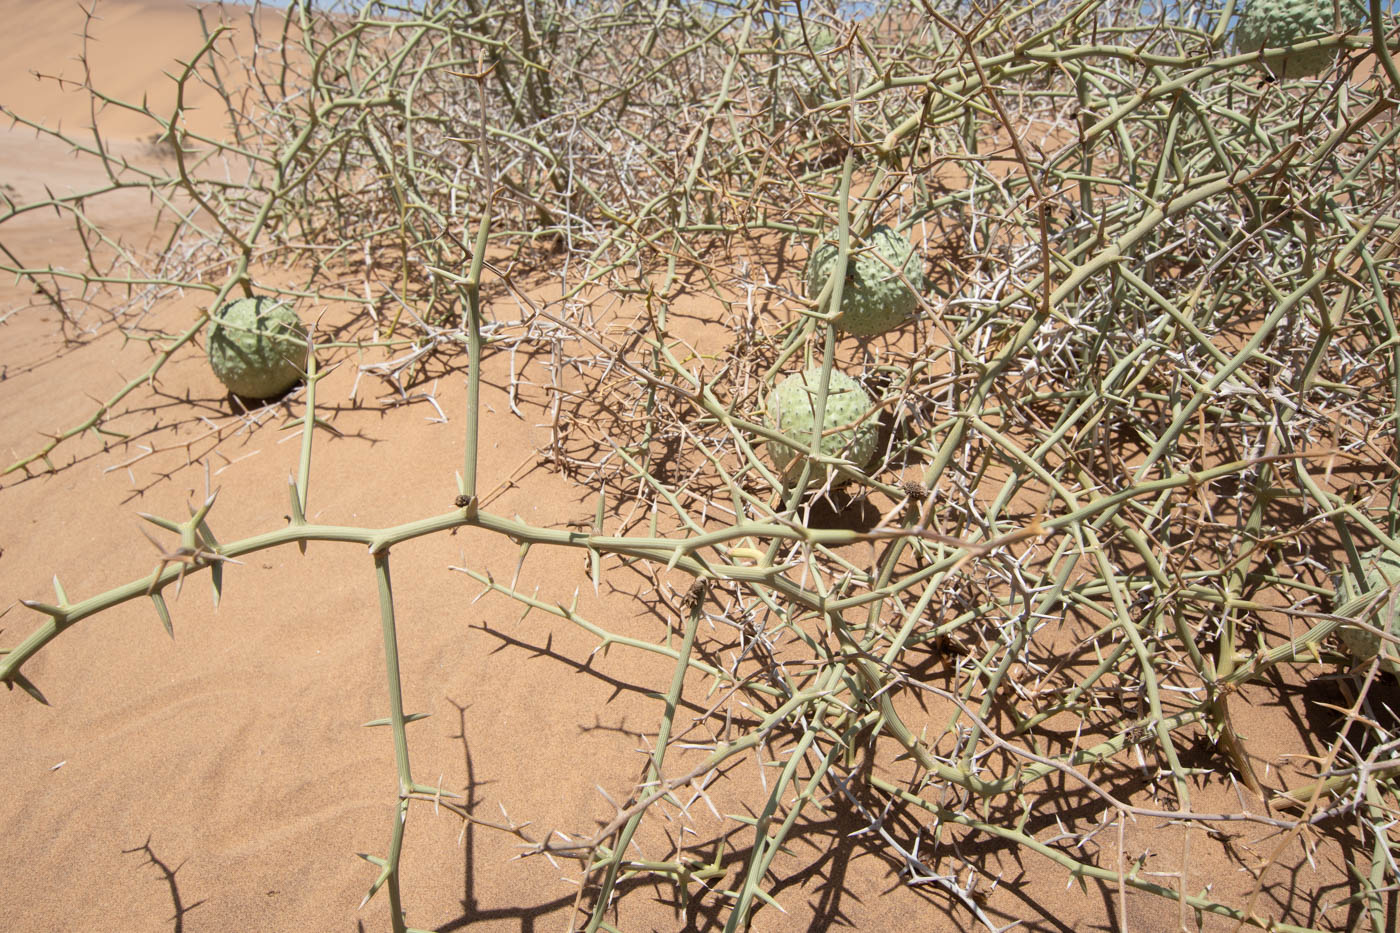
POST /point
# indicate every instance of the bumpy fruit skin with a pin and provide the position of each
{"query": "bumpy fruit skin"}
(819, 37)
(1267, 24)
(257, 347)
(874, 299)
(808, 87)
(1382, 571)
(792, 408)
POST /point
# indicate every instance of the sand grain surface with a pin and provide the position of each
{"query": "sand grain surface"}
(222, 781)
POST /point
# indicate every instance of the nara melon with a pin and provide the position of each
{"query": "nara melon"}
(257, 347)
(1382, 575)
(1271, 24)
(791, 409)
(882, 274)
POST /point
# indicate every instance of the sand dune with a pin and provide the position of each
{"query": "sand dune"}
(134, 50)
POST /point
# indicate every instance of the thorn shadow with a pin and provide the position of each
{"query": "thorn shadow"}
(169, 874)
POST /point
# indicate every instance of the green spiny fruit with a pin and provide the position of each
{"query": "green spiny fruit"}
(257, 347)
(820, 37)
(1268, 24)
(874, 298)
(809, 87)
(1382, 573)
(792, 410)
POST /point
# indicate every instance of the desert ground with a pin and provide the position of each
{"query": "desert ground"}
(223, 779)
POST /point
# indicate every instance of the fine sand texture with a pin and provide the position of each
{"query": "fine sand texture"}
(224, 779)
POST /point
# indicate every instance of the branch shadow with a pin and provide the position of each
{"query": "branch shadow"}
(168, 874)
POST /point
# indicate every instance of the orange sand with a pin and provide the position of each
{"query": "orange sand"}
(222, 781)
